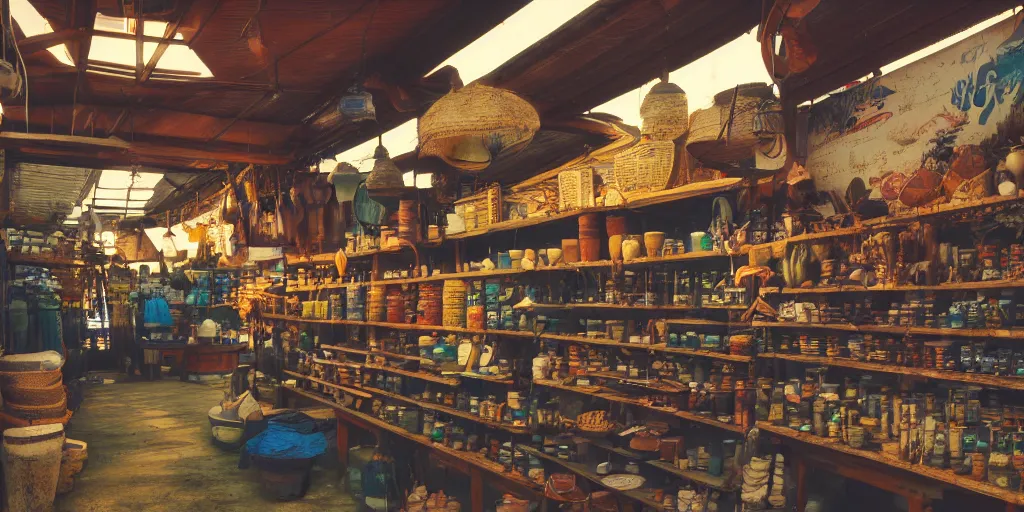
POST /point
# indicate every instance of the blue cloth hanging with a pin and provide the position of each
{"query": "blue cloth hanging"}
(157, 312)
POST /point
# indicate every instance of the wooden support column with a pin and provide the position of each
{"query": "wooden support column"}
(342, 439)
(918, 503)
(476, 490)
(1010, 507)
(801, 484)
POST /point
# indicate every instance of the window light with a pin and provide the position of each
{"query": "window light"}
(33, 24)
(528, 25)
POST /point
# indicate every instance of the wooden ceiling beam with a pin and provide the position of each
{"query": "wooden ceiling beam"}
(117, 149)
(31, 45)
(169, 32)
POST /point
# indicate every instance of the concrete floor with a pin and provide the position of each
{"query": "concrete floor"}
(150, 449)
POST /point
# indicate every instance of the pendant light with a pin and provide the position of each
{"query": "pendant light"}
(168, 248)
(385, 180)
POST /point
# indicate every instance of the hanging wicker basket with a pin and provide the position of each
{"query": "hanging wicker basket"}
(645, 167)
(665, 112)
(469, 127)
(729, 131)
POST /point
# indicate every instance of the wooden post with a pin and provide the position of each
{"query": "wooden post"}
(801, 485)
(476, 490)
(1010, 507)
(918, 503)
(342, 439)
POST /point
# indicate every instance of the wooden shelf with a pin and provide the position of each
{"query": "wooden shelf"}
(429, 377)
(624, 399)
(507, 381)
(702, 353)
(402, 327)
(700, 477)
(944, 476)
(494, 468)
(637, 307)
(949, 287)
(348, 350)
(451, 412)
(43, 261)
(392, 355)
(650, 348)
(645, 496)
(946, 375)
(327, 258)
(693, 190)
(881, 223)
(888, 329)
(350, 390)
(343, 364)
(702, 322)
(942, 209)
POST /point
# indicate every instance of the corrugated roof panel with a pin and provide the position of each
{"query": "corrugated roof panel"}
(42, 193)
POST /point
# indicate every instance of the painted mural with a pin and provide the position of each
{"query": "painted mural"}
(927, 131)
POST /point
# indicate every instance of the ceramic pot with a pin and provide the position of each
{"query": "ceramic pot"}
(1015, 163)
(615, 225)
(555, 256)
(571, 250)
(590, 249)
(630, 248)
(615, 247)
(653, 242)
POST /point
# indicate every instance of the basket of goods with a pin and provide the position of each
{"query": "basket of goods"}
(594, 423)
(665, 112)
(731, 130)
(644, 167)
(453, 303)
(469, 127)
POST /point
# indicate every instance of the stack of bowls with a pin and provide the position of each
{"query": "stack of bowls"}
(428, 306)
(453, 303)
(32, 389)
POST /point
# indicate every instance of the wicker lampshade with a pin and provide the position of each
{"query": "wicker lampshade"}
(467, 128)
(385, 176)
(665, 112)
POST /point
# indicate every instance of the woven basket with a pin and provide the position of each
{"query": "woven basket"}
(645, 167)
(38, 411)
(376, 307)
(8, 420)
(665, 112)
(727, 133)
(467, 128)
(47, 396)
(39, 379)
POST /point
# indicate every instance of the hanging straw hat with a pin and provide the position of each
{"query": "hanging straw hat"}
(665, 112)
(469, 127)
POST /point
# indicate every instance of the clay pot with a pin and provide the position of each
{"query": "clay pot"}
(555, 256)
(630, 248)
(615, 225)
(653, 242)
(1015, 164)
(590, 249)
(571, 250)
(615, 247)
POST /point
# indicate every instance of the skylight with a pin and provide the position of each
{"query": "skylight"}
(527, 26)
(33, 24)
(112, 195)
(176, 58)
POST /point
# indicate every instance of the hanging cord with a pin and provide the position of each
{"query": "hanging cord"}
(8, 26)
(366, 32)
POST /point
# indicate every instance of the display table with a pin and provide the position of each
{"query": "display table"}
(197, 358)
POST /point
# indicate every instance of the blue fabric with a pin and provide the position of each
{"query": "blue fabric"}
(280, 441)
(158, 312)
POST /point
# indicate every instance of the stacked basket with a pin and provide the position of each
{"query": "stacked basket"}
(428, 305)
(376, 308)
(32, 388)
(453, 303)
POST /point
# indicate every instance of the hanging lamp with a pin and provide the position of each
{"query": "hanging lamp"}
(168, 248)
(345, 178)
(385, 180)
